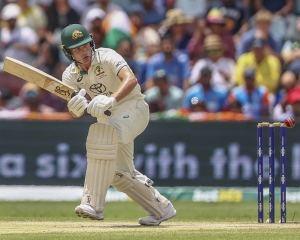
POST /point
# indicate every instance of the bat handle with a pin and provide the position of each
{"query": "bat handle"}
(107, 112)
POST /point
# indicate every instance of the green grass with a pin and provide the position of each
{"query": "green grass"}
(56, 220)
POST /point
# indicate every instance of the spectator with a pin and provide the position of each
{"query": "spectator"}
(94, 17)
(189, 9)
(175, 63)
(126, 50)
(282, 12)
(278, 8)
(170, 97)
(216, 24)
(214, 96)
(59, 16)
(22, 42)
(235, 106)
(31, 95)
(289, 106)
(287, 82)
(126, 4)
(175, 24)
(80, 6)
(169, 4)
(254, 99)
(152, 11)
(263, 19)
(116, 27)
(145, 38)
(8, 101)
(235, 14)
(293, 98)
(106, 5)
(268, 67)
(48, 60)
(290, 52)
(43, 4)
(32, 16)
(93, 23)
(32, 107)
(222, 67)
(250, 5)
(198, 105)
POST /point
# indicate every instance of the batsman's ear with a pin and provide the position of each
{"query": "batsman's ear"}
(67, 54)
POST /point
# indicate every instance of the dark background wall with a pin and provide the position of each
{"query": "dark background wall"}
(169, 152)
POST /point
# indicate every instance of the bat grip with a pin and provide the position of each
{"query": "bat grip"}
(107, 112)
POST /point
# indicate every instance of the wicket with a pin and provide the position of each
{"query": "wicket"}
(260, 178)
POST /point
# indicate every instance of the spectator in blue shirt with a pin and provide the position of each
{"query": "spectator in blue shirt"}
(175, 63)
(263, 19)
(278, 7)
(153, 12)
(214, 97)
(125, 49)
(282, 11)
(254, 99)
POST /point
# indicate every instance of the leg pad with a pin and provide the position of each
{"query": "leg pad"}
(139, 188)
(101, 146)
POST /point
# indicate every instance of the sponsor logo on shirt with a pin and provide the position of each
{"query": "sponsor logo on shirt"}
(98, 88)
(79, 78)
(119, 63)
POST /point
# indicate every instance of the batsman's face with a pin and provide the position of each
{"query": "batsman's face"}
(82, 54)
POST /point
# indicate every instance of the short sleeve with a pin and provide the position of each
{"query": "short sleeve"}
(67, 78)
(115, 61)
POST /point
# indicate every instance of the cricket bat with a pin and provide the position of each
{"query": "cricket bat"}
(40, 78)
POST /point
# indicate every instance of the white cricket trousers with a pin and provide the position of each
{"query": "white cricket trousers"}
(129, 119)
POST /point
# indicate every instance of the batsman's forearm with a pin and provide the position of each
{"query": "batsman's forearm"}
(126, 86)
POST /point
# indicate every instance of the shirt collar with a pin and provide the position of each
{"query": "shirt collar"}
(96, 59)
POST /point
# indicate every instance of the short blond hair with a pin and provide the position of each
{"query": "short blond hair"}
(263, 16)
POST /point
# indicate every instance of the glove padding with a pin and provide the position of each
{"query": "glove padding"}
(78, 103)
(99, 105)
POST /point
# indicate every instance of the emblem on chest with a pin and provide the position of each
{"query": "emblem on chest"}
(99, 72)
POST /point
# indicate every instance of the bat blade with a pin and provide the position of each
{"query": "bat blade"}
(38, 77)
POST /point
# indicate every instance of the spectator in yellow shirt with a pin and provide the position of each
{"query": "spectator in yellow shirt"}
(268, 67)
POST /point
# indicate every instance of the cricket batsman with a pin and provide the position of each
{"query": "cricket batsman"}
(106, 77)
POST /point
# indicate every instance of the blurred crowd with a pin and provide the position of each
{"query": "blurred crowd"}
(198, 60)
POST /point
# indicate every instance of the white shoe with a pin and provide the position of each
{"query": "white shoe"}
(169, 212)
(87, 211)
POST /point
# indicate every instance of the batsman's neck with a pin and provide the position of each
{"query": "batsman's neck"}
(84, 67)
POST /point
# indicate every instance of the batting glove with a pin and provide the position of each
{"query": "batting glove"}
(100, 104)
(78, 104)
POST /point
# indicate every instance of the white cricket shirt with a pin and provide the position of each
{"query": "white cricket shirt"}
(102, 76)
